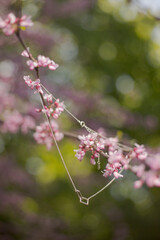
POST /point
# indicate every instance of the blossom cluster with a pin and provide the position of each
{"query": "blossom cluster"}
(52, 108)
(41, 61)
(12, 23)
(146, 167)
(12, 120)
(147, 170)
(33, 84)
(115, 163)
(43, 134)
(91, 143)
(95, 145)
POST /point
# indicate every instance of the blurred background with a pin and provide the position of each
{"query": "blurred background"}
(109, 57)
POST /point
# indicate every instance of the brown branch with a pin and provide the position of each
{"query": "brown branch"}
(36, 69)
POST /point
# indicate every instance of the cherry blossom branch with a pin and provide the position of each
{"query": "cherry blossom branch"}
(118, 155)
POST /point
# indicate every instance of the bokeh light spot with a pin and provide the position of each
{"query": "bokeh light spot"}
(107, 51)
(125, 84)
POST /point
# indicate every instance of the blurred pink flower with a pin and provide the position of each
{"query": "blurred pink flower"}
(43, 134)
(140, 152)
(27, 124)
(12, 122)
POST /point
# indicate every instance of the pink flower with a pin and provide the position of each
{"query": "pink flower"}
(29, 81)
(112, 169)
(138, 183)
(94, 155)
(152, 179)
(111, 143)
(25, 21)
(32, 64)
(88, 141)
(140, 152)
(47, 111)
(12, 122)
(43, 134)
(25, 53)
(38, 86)
(38, 110)
(11, 24)
(33, 84)
(52, 65)
(59, 135)
(28, 123)
(91, 143)
(100, 144)
(46, 61)
(43, 61)
(116, 156)
(59, 108)
(139, 170)
(48, 97)
(80, 154)
(154, 162)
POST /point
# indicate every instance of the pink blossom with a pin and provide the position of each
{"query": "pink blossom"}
(25, 21)
(33, 84)
(100, 144)
(11, 24)
(111, 143)
(140, 152)
(139, 170)
(32, 64)
(116, 156)
(59, 108)
(26, 53)
(12, 122)
(55, 109)
(80, 154)
(154, 162)
(59, 135)
(138, 184)
(43, 61)
(46, 61)
(28, 124)
(92, 143)
(52, 65)
(112, 169)
(94, 155)
(88, 141)
(47, 111)
(43, 134)
(38, 110)
(38, 86)
(29, 81)
(152, 178)
(48, 97)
